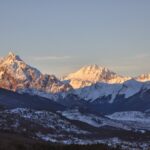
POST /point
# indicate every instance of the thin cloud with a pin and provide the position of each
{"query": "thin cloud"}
(45, 58)
(125, 67)
(141, 56)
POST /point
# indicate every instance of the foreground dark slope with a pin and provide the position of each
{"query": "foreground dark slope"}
(11, 141)
(137, 102)
(11, 99)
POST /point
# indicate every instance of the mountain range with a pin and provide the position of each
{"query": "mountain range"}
(91, 105)
(92, 84)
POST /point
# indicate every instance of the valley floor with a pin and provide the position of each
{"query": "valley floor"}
(27, 129)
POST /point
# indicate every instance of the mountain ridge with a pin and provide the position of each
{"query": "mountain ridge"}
(88, 83)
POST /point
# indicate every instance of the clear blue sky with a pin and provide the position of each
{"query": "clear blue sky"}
(60, 36)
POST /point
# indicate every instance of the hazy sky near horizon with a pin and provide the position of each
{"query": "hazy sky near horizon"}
(60, 36)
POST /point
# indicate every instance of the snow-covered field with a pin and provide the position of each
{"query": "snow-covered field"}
(131, 116)
(135, 119)
(93, 120)
(47, 120)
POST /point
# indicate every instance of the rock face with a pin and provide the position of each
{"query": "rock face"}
(92, 74)
(16, 75)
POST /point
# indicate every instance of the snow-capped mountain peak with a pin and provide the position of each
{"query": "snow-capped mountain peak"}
(15, 67)
(16, 75)
(92, 74)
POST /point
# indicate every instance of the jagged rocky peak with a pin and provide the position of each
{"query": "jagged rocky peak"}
(16, 75)
(13, 66)
(91, 74)
(94, 69)
(12, 57)
(12, 54)
(91, 67)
